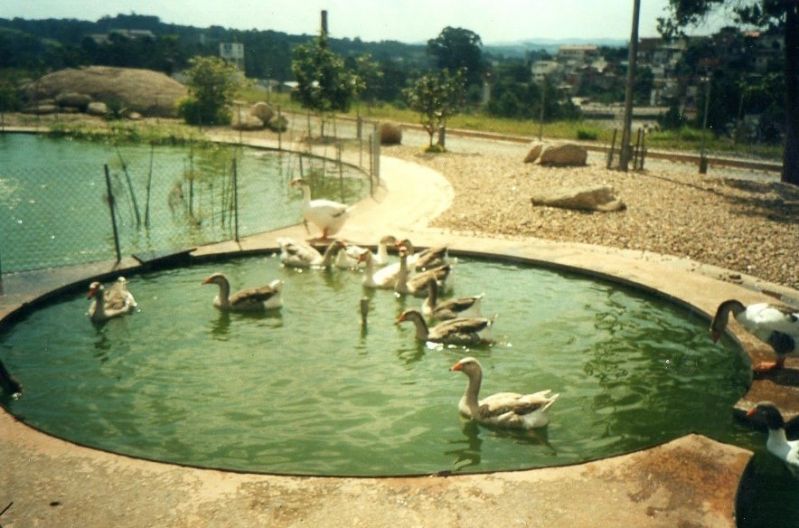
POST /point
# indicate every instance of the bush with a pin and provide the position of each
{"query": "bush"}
(390, 134)
(587, 135)
(195, 112)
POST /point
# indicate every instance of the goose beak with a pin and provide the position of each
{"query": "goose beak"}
(456, 367)
(751, 412)
(206, 280)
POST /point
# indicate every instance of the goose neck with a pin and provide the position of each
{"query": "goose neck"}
(473, 391)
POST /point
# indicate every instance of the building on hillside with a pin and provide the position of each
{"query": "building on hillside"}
(544, 68)
(577, 55)
(232, 52)
(105, 38)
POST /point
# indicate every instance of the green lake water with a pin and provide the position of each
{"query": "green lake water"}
(305, 390)
(54, 210)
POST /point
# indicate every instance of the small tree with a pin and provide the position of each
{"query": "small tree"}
(323, 83)
(437, 97)
(212, 86)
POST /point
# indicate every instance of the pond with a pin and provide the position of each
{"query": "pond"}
(54, 209)
(307, 390)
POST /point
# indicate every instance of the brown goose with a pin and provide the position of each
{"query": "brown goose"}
(425, 259)
(460, 331)
(776, 325)
(450, 308)
(417, 283)
(107, 305)
(249, 300)
(504, 409)
(295, 254)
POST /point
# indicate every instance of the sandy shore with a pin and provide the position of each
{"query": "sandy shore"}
(746, 225)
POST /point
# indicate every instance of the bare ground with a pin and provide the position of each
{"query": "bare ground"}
(746, 225)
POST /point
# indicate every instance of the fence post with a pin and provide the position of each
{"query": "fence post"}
(279, 130)
(149, 184)
(111, 208)
(340, 171)
(235, 202)
(612, 148)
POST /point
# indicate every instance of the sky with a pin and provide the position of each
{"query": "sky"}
(495, 21)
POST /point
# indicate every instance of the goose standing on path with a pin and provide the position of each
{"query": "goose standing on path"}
(504, 409)
(104, 307)
(327, 215)
(776, 325)
(777, 443)
(450, 308)
(295, 254)
(460, 331)
(249, 300)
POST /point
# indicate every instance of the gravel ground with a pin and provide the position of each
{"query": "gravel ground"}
(745, 224)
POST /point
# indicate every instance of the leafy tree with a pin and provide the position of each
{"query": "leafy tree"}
(783, 14)
(437, 97)
(324, 84)
(368, 77)
(458, 48)
(212, 84)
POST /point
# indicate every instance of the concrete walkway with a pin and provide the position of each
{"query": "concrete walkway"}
(691, 481)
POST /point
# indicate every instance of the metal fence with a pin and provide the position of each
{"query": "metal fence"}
(73, 212)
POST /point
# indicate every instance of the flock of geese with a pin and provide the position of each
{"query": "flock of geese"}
(427, 274)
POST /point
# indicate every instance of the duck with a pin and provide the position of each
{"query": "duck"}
(327, 215)
(776, 325)
(417, 283)
(384, 278)
(459, 331)
(450, 308)
(249, 300)
(425, 259)
(777, 443)
(104, 307)
(380, 257)
(295, 254)
(503, 409)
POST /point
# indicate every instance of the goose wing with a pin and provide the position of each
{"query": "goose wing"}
(431, 257)
(252, 295)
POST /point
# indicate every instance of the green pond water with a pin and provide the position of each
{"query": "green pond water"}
(306, 390)
(54, 210)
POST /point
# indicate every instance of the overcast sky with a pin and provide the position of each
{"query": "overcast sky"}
(372, 20)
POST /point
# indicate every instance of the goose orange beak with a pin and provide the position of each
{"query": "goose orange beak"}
(456, 367)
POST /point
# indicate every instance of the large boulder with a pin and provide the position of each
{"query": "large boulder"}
(148, 92)
(262, 111)
(73, 100)
(535, 150)
(564, 155)
(244, 120)
(97, 108)
(278, 123)
(589, 198)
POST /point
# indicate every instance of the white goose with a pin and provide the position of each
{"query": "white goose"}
(249, 300)
(385, 278)
(776, 325)
(450, 308)
(504, 409)
(104, 306)
(380, 257)
(777, 443)
(460, 331)
(416, 284)
(296, 254)
(327, 215)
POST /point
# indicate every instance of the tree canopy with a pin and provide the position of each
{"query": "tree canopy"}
(324, 84)
(212, 84)
(779, 14)
(436, 96)
(457, 48)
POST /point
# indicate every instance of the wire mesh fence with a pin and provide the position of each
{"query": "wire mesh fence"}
(61, 210)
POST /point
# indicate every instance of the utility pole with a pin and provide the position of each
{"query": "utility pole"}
(632, 58)
(324, 24)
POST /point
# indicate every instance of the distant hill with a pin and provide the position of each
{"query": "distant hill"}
(520, 48)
